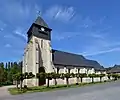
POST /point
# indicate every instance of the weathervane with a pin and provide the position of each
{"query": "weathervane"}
(39, 13)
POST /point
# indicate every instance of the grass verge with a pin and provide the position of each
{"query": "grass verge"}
(15, 91)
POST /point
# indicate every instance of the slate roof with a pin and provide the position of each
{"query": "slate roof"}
(40, 21)
(115, 69)
(94, 64)
(70, 59)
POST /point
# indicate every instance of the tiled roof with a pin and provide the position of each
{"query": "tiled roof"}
(74, 60)
(115, 69)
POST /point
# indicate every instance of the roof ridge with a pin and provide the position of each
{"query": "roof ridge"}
(69, 53)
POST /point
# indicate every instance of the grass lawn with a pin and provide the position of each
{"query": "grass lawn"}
(15, 91)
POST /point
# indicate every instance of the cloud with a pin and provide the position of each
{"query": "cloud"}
(86, 22)
(1, 29)
(8, 36)
(85, 29)
(8, 46)
(2, 25)
(18, 11)
(60, 13)
(64, 36)
(97, 36)
(101, 21)
(20, 32)
(101, 52)
(101, 47)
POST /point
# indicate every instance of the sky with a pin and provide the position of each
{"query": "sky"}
(87, 27)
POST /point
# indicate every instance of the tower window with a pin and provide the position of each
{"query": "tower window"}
(36, 46)
(41, 43)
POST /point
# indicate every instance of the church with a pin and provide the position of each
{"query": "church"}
(40, 57)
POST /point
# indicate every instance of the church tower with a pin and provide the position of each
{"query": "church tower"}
(37, 54)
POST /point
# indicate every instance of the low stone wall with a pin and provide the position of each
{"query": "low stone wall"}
(61, 81)
(87, 80)
(74, 80)
(97, 79)
(28, 82)
(34, 81)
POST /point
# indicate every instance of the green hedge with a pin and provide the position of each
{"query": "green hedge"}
(6, 83)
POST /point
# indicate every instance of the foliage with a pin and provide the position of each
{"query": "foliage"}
(115, 76)
(55, 76)
(92, 76)
(21, 76)
(101, 76)
(41, 76)
(48, 77)
(7, 71)
(109, 75)
(82, 75)
(62, 76)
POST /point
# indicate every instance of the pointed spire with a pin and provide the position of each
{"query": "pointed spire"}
(41, 22)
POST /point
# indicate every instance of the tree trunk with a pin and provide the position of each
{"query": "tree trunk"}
(100, 79)
(48, 83)
(81, 80)
(21, 81)
(92, 79)
(55, 81)
(17, 84)
(67, 81)
(77, 81)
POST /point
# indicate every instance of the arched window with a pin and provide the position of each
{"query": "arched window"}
(41, 43)
(37, 56)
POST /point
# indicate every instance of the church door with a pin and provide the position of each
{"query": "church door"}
(42, 81)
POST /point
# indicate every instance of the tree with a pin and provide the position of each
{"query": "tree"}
(1, 75)
(109, 75)
(5, 75)
(92, 76)
(2, 79)
(115, 76)
(6, 66)
(25, 76)
(40, 75)
(77, 76)
(9, 75)
(2, 65)
(9, 66)
(12, 64)
(55, 76)
(48, 77)
(20, 77)
(16, 78)
(118, 76)
(20, 65)
(72, 75)
(67, 76)
(82, 75)
(101, 76)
